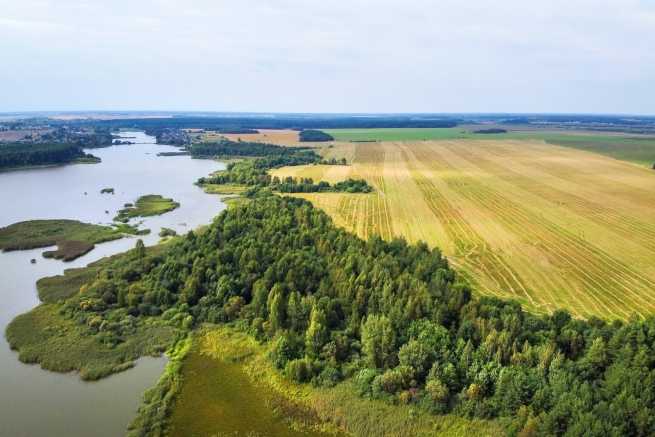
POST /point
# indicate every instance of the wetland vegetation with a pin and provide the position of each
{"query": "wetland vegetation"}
(225, 360)
(72, 237)
(145, 206)
(52, 336)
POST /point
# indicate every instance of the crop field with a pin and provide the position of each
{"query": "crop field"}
(285, 137)
(399, 134)
(553, 227)
(635, 148)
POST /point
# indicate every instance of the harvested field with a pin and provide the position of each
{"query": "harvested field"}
(282, 137)
(550, 226)
(636, 148)
(328, 173)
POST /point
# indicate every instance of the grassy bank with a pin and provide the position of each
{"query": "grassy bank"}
(225, 189)
(228, 373)
(72, 237)
(59, 344)
(145, 206)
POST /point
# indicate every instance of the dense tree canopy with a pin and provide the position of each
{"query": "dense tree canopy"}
(23, 154)
(244, 148)
(490, 131)
(314, 135)
(390, 315)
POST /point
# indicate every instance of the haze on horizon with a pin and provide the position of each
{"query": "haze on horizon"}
(590, 56)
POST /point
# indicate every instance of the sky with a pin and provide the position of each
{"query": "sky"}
(566, 56)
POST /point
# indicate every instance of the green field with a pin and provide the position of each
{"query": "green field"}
(633, 148)
(640, 150)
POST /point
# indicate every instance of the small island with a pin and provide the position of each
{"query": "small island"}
(145, 206)
(167, 232)
(72, 238)
(180, 153)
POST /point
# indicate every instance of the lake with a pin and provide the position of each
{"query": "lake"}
(34, 402)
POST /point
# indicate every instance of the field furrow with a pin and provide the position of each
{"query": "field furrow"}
(472, 252)
(614, 220)
(550, 226)
(599, 279)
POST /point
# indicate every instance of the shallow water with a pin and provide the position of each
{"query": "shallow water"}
(34, 402)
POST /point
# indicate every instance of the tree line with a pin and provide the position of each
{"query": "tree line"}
(393, 317)
(296, 122)
(307, 185)
(24, 154)
(314, 135)
(254, 172)
(245, 148)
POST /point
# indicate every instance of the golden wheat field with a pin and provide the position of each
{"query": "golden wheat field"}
(550, 226)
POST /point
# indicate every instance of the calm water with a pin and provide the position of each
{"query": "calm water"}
(34, 402)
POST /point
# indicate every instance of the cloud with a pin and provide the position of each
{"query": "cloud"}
(343, 55)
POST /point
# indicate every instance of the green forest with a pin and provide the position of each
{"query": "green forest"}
(394, 318)
(243, 148)
(27, 155)
(314, 135)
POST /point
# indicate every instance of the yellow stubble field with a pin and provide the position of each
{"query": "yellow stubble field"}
(282, 137)
(549, 226)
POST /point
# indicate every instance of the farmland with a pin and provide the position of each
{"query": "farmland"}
(285, 137)
(398, 134)
(635, 148)
(549, 226)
